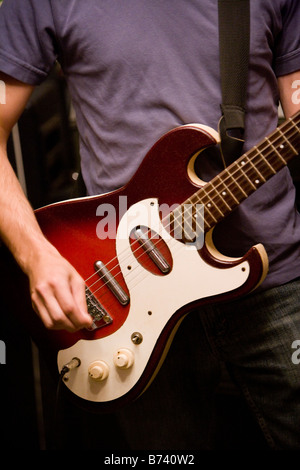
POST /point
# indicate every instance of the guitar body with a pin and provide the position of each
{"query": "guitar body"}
(119, 359)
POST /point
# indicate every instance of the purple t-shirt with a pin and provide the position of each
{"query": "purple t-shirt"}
(138, 68)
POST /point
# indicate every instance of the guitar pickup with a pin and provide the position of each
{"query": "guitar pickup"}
(100, 316)
(152, 251)
(111, 282)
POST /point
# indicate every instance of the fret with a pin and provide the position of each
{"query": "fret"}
(272, 149)
(214, 207)
(176, 222)
(200, 225)
(207, 226)
(260, 178)
(226, 193)
(238, 186)
(261, 162)
(187, 221)
(211, 205)
(293, 122)
(244, 177)
(219, 202)
(298, 131)
(209, 219)
(267, 163)
(207, 209)
(289, 144)
(221, 193)
(295, 141)
(208, 206)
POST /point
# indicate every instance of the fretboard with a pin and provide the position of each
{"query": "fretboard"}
(239, 180)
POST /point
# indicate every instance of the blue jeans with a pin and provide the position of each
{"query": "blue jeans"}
(253, 336)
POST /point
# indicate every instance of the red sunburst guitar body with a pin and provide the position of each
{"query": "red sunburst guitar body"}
(139, 287)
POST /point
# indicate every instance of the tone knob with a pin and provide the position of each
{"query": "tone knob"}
(98, 370)
(123, 358)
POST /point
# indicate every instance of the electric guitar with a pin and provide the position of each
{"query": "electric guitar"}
(147, 256)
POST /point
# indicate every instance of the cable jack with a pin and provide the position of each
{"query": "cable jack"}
(75, 362)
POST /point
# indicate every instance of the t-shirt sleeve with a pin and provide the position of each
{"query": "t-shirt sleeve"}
(27, 37)
(287, 50)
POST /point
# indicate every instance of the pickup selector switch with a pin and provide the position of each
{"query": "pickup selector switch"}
(123, 358)
(98, 371)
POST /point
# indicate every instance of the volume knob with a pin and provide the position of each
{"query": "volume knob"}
(98, 370)
(123, 358)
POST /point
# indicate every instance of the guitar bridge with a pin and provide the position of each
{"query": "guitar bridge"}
(100, 316)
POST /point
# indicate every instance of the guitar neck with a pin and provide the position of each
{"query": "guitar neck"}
(243, 177)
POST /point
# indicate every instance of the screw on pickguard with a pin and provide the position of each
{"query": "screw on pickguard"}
(100, 316)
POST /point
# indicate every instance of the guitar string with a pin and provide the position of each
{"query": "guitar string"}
(223, 183)
(180, 245)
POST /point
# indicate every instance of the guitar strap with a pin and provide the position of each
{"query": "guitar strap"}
(234, 39)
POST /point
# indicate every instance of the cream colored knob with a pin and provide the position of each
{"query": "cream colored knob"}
(98, 370)
(124, 358)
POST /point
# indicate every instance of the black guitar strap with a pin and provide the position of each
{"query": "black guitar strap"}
(234, 39)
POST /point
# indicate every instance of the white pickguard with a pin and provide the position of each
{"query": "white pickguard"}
(190, 279)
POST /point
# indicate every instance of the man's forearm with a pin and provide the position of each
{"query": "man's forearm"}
(19, 229)
(289, 95)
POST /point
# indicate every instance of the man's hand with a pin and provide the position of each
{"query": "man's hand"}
(58, 292)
